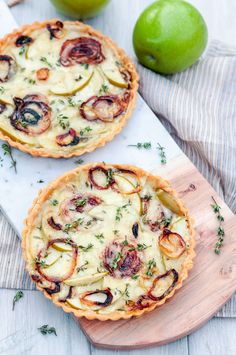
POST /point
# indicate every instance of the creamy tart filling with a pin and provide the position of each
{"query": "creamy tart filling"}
(64, 88)
(107, 240)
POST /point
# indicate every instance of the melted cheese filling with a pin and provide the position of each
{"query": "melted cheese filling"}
(66, 88)
(95, 228)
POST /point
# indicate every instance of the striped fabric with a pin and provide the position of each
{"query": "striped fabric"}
(198, 109)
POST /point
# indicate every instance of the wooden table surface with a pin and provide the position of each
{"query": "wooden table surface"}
(18, 329)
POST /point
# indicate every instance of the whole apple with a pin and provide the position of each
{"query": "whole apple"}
(80, 9)
(169, 36)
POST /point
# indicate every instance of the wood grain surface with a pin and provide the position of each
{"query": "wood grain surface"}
(210, 284)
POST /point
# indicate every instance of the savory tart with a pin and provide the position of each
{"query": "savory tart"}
(65, 89)
(108, 241)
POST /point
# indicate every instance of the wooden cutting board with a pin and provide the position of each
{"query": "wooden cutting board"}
(211, 282)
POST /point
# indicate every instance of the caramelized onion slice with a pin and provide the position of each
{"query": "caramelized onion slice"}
(86, 109)
(55, 29)
(54, 273)
(32, 114)
(82, 50)
(171, 244)
(68, 139)
(171, 273)
(7, 68)
(99, 178)
(53, 224)
(3, 107)
(100, 298)
(107, 107)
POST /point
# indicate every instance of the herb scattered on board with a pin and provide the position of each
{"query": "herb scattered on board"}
(220, 230)
(79, 161)
(145, 145)
(8, 152)
(17, 297)
(45, 329)
(40, 181)
(162, 153)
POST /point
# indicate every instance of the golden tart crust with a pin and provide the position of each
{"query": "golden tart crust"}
(108, 242)
(48, 62)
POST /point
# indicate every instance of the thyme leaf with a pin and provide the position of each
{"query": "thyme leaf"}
(8, 152)
(145, 145)
(17, 297)
(45, 329)
(162, 153)
(220, 230)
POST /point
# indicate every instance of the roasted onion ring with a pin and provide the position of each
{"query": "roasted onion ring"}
(7, 67)
(82, 50)
(55, 30)
(170, 288)
(68, 139)
(32, 114)
(171, 244)
(3, 107)
(106, 292)
(40, 269)
(104, 108)
(92, 178)
(53, 224)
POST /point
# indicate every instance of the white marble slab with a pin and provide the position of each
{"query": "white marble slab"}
(17, 191)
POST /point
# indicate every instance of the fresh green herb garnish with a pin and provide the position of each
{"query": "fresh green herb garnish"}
(44, 60)
(71, 102)
(2, 90)
(104, 89)
(80, 202)
(125, 242)
(220, 230)
(119, 214)
(151, 265)
(8, 152)
(79, 78)
(54, 202)
(83, 267)
(110, 174)
(85, 65)
(40, 262)
(162, 153)
(147, 197)
(63, 121)
(116, 259)
(143, 246)
(99, 236)
(17, 297)
(87, 248)
(166, 221)
(45, 329)
(126, 293)
(145, 145)
(85, 130)
(31, 81)
(22, 50)
(135, 277)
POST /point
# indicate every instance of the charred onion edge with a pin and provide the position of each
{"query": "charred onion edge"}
(165, 234)
(53, 224)
(73, 263)
(45, 194)
(126, 62)
(106, 292)
(74, 138)
(23, 40)
(114, 99)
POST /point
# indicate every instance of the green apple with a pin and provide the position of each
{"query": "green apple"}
(169, 36)
(80, 9)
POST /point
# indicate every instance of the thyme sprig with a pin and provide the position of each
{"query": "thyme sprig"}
(17, 297)
(220, 230)
(144, 145)
(8, 152)
(45, 329)
(162, 153)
